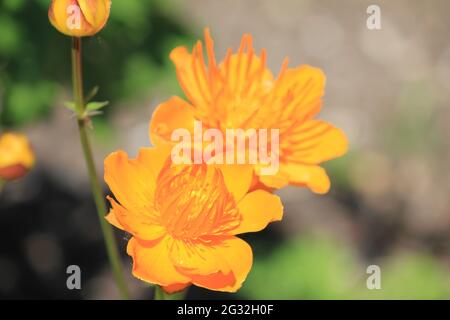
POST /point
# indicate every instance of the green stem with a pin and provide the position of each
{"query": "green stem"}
(108, 234)
(160, 294)
(2, 184)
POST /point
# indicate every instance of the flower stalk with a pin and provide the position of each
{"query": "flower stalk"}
(160, 294)
(108, 235)
(2, 184)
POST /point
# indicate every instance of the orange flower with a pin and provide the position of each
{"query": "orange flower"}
(184, 219)
(16, 156)
(79, 18)
(241, 92)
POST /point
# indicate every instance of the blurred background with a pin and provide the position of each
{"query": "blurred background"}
(388, 89)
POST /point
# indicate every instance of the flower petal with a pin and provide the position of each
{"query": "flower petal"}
(197, 258)
(239, 257)
(59, 17)
(276, 181)
(192, 74)
(245, 72)
(258, 209)
(238, 179)
(15, 149)
(303, 87)
(216, 281)
(312, 176)
(222, 264)
(173, 288)
(58, 13)
(133, 180)
(13, 172)
(314, 142)
(111, 218)
(95, 12)
(151, 262)
(142, 225)
(173, 114)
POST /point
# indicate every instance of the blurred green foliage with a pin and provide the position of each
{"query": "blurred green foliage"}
(410, 276)
(126, 59)
(304, 268)
(317, 267)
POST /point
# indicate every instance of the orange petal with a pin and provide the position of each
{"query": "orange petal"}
(15, 149)
(192, 74)
(238, 179)
(173, 288)
(216, 281)
(95, 12)
(58, 14)
(151, 262)
(133, 180)
(59, 18)
(258, 185)
(258, 209)
(314, 142)
(13, 172)
(111, 218)
(244, 72)
(143, 225)
(314, 177)
(303, 87)
(276, 181)
(197, 258)
(238, 254)
(173, 114)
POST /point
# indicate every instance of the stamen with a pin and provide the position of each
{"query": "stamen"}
(194, 202)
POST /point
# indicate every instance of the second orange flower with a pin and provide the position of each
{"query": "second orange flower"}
(242, 93)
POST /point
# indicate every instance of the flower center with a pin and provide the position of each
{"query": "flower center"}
(193, 201)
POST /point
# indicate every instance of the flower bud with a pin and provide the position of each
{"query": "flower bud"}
(79, 18)
(16, 156)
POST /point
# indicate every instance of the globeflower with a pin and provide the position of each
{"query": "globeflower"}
(79, 18)
(242, 93)
(16, 156)
(184, 219)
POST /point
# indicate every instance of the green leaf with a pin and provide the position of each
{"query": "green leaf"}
(93, 113)
(91, 106)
